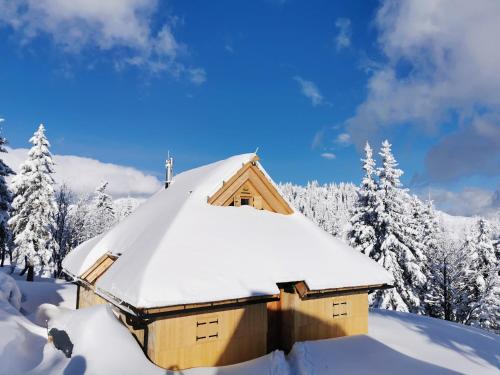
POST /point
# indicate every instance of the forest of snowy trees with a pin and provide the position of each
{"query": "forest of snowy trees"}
(436, 273)
(41, 222)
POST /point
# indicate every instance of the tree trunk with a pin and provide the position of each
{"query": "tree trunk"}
(31, 273)
(447, 312)
(25, 266)
(3, 257)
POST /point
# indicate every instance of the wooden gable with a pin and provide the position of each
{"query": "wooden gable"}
(250, 187)
(98, 269)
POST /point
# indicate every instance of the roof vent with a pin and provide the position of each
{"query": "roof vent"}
(169, 173)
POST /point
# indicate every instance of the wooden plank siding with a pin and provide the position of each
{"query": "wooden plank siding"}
(328, 316)
(219, 337)
(137, 329)
(87, 297)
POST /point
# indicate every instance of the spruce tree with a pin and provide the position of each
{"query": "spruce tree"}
(62, 229)
(444, 264)
(362, 235)
(102, 215)
(80, 219)
(5, 205)
(485, 307)
(33, 208)
(397, 248)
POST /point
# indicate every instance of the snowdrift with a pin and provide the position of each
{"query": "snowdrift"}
(398, 343)
(402, 343)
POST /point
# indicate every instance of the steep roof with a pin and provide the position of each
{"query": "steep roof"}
(178, 249)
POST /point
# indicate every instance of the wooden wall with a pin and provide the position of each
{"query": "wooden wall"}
(216, 338)
(137, 331)
(87, 297)
(317, 318)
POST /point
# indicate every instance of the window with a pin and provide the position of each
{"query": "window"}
(207, 329)
(341, 309)
(245, 201)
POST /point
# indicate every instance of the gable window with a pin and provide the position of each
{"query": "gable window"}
(245, 201)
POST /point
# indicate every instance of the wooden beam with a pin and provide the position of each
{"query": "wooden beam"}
(242, 170)
(304, 291)
(250, 174)
(200, 306)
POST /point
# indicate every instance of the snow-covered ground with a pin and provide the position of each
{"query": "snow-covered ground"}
(397, 343)
(402, 343)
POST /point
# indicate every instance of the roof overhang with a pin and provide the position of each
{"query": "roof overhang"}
(182, 309)
(305, 293)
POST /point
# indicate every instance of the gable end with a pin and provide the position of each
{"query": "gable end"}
(250, 186)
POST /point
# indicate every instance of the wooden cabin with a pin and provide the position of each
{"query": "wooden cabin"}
(218, 268)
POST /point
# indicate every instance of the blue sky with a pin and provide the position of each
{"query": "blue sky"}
(307, 83)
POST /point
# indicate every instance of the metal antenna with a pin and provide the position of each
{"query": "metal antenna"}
(169, 172)
(256, 150)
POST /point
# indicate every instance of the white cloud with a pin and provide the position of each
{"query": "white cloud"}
(469, 201)
(343, 139)
(124, 27)
(198, 76)
(310, 90)
(83, 174)
(328, 155)
(343, 38)
(451, 67)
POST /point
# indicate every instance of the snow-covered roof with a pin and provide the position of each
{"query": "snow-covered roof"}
(178, 249)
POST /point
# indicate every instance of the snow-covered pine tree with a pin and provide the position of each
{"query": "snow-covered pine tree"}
(102, 215)
(430, 236)
(62, 230)
(485, 309)
(444, 265)
(33, 208)
(330, 206)
(447, 295)
(79, 218)
(5, 205)
(362, 235)
(397, 249)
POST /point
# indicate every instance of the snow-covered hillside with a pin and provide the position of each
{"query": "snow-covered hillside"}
(397, 342)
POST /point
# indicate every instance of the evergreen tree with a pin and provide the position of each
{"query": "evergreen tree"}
(330, 206)
(397, 248)
(33, 208)
(5, 205)
(448, 294)
(362, 236)
(102, 215)
(79, 218)
(485, 307)
(431, 238)
(62, 228)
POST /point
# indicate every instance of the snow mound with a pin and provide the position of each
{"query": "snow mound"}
(9, 291)
(22, 343)
(401, 343)
(397, 343)
(102, 345)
